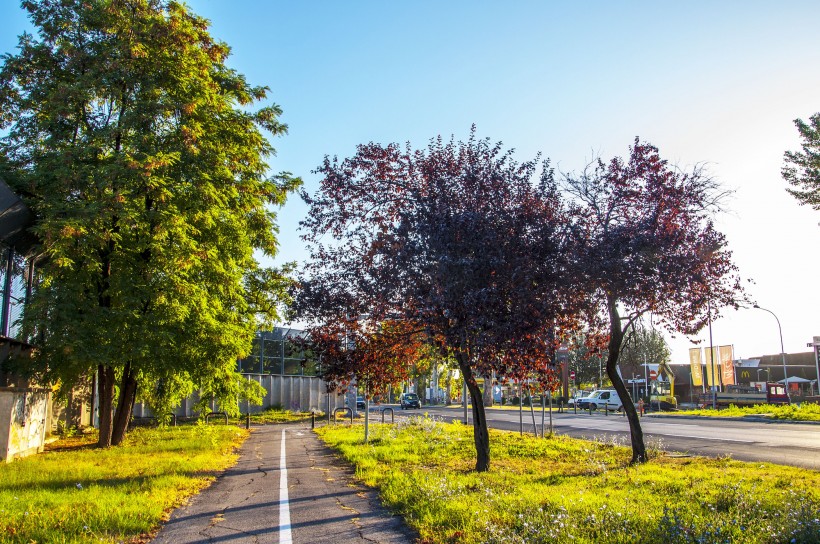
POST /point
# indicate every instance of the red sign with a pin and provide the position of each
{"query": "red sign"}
(653, 374)
(572, 375)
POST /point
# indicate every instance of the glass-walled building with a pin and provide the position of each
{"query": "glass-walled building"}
(279, 353)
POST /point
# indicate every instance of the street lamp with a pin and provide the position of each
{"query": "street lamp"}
(767, 371)
(712, 357)
(782, 351)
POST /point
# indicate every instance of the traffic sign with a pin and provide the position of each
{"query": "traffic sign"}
(653, 374)
(572, 375)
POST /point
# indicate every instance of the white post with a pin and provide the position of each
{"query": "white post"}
(464, 400)
(817, 364)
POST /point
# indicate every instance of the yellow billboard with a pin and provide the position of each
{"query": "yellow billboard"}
(696, 362)
(712, 362)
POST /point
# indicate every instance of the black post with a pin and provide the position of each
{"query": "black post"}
(313, 420)
(248, 420)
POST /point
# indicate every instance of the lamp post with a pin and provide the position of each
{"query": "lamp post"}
(782, 351)
(712, 355)
(766, 370)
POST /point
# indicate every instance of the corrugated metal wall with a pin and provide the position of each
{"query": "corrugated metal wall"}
(295, 393)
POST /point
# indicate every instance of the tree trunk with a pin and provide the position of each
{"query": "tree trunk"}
(105, 394)
(125, 405)
(488, 390)
(480, 433)
(421, 389)
(616, 338)
(449, 385)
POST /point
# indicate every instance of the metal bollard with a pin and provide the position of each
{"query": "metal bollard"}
(313, 420)
(248, 420)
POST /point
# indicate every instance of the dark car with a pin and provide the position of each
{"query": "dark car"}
(409, 400)
(360, 404)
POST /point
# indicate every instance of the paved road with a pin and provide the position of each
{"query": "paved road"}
(310, 498)
(795, 444)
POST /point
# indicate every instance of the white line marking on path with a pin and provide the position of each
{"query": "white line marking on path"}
(284, 503)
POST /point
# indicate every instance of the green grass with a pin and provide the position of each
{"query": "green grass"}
(77, 493)
(268, 416)
(790, 412)
(277, 415)
(566, 490)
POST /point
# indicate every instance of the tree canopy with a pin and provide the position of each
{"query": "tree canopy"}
(457, 239)
(498, 266)
(645, 242)
(136, 147)
(802, 168)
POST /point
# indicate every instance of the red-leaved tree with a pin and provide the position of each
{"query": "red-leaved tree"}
(458, 239)
(645, 243)
(373, 355)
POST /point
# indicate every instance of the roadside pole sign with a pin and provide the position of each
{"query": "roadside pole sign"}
(817, 362)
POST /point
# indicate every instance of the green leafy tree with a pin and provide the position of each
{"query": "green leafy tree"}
(585, 357)
(137, 149)
(642, 344)
(802, 169)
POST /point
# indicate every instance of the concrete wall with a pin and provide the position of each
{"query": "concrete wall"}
(296, 393)
(23, 421)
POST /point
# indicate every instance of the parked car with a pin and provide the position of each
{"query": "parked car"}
(360, 403)
(603, 399)
(576, 397)
(409, 400)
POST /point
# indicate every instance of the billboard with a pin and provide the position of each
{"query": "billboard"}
(727, 374)
(712, 364)
(696, 362)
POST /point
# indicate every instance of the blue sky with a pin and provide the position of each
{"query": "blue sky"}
(707, 82)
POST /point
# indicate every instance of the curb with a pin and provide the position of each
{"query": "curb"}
(752, 418)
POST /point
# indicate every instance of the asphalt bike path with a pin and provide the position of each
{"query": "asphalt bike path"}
(287, 487)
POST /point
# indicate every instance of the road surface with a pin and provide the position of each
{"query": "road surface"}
(795, 444)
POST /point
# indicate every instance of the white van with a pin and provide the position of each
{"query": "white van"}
(603, 399)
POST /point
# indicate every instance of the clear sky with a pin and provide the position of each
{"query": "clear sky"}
(707, 82)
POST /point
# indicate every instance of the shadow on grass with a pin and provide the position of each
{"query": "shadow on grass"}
(140, 481)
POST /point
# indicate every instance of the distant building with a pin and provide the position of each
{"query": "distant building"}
(275, 353)
(25, 411)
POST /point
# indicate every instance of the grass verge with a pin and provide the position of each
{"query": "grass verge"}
(276, 415)
(789, 412)
(561, 489)
(77, 493)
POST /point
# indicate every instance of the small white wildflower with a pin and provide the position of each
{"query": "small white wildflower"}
(79, 486)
